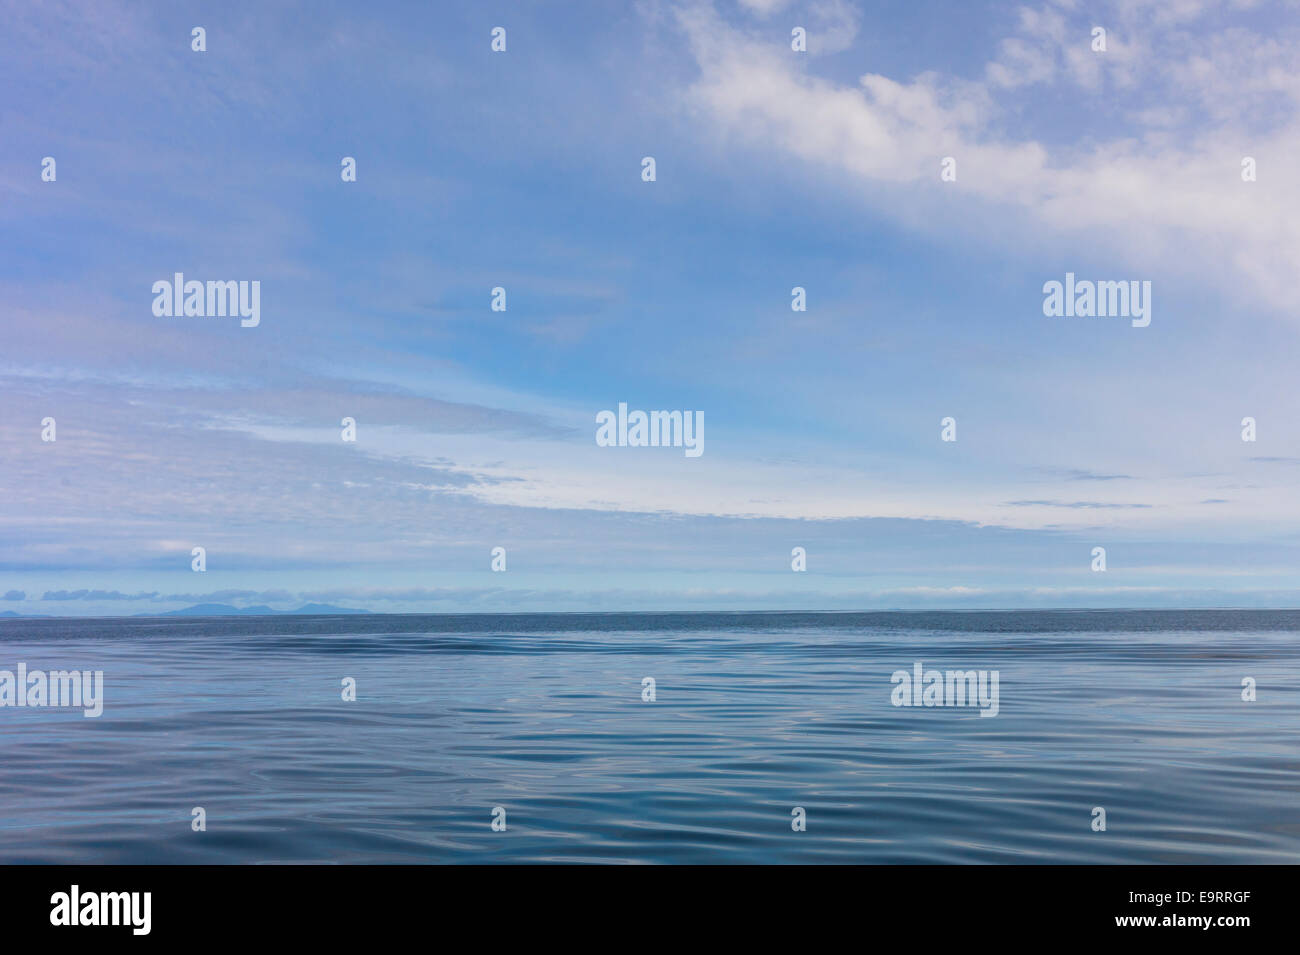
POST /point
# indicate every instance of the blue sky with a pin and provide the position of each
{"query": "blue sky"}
(522, 169)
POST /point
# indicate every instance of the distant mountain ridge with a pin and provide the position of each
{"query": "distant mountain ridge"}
(214, 610)
(226, 610)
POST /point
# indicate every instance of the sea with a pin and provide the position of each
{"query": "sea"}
(721, 738)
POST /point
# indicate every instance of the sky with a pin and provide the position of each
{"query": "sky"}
(774, 168)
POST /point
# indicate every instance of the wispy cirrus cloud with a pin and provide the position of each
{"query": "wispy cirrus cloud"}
(1090, 505)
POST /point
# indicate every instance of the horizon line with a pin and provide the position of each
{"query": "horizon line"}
(353, 611)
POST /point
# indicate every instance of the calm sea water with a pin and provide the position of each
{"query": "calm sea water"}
(1139, 712)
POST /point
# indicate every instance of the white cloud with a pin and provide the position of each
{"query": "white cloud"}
(1161, 200)
(764, 8)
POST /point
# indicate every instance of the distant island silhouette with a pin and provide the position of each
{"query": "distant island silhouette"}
(226, 610)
